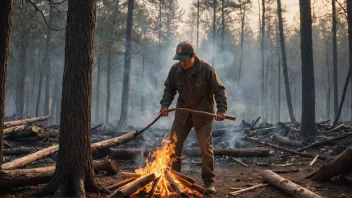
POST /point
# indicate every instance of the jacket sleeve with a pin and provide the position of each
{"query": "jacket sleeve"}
(219, 91)
(169, 91)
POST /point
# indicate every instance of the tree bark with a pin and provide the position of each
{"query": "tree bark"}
(242, 40)
(214, 30)
(108, 88)
(127, 66)
(308, 130)
(22, 72)
(5, 31)
(262, 53)
(334, 58)
(197, 25)
(39, 94)
(284, 63)
(287, 186)
(48, 64)
(97, 96)
(74, 170)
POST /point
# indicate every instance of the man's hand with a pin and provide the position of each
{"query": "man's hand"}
(164, 112)
(220, 117)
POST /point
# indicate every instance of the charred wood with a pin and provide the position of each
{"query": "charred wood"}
(286, 141)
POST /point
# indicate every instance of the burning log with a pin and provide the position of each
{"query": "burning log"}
(247, 189)
(339, 165)
(155, 184)
(18, 151)
(287, 186)
(126, 175)
(24, 177)
(245, 152)
(120, 184)
(175, 186)
(133, 186)
(324, 142)
(25, 121)
(286, 141)
(184, 177)
(190, 185)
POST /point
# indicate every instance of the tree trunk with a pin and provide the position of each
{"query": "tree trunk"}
(349, 13)
(308, 129)
(242, 40)
(97, 98)
(334, 56)
(39, 90)
(214, 30)
(262, 53)
(74, 169)
(222, 24)
(127, 66)
(197, 25)
(56, 98)
(284, 63)
(22, 72)
(5, 30)
(47, 64)
(108, 88)
(328, 80)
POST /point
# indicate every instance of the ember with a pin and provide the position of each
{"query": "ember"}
(167, 183)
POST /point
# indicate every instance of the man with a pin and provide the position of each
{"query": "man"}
(197, 83)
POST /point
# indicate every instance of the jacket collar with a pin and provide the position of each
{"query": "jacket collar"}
(197, 65)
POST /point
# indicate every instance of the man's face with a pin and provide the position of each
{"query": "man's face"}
(187, 64)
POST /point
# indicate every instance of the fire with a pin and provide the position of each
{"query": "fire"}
(159, 166)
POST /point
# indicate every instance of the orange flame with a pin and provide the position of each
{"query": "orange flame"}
(161, 163)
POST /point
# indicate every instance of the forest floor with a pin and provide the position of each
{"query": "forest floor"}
(231, 175)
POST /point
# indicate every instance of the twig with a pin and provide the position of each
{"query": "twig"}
(314, 160)
(238, 161)
(247, 189)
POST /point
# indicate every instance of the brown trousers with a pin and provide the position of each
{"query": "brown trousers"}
(205, 143)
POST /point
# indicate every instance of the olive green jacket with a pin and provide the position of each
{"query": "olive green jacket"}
(196, 93)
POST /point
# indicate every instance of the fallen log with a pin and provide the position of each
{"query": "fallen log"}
(324, 142)
(34, 176)
(23, 161)
(18, 151)
(133, 186)
(175, 186)
(26, 132)
(285, 149)
(14, 129)
(126, 154)
(245, 152)
(287, 186)
(286, 141)
(247, 189)
(25, 121)
(339, 165)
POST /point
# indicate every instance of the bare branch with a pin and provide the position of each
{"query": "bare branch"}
(41, 12)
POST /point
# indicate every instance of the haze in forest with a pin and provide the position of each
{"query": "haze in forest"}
(153, 49)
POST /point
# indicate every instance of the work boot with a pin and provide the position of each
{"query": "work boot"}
(209, 188)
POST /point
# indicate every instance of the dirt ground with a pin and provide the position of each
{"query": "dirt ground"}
(229, 174)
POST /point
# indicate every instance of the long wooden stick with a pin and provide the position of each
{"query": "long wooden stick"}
(324, 142)
(247, 189)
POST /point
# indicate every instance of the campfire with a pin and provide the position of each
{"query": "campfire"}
(157, 179)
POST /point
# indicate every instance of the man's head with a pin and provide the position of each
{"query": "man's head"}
(185, 54)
